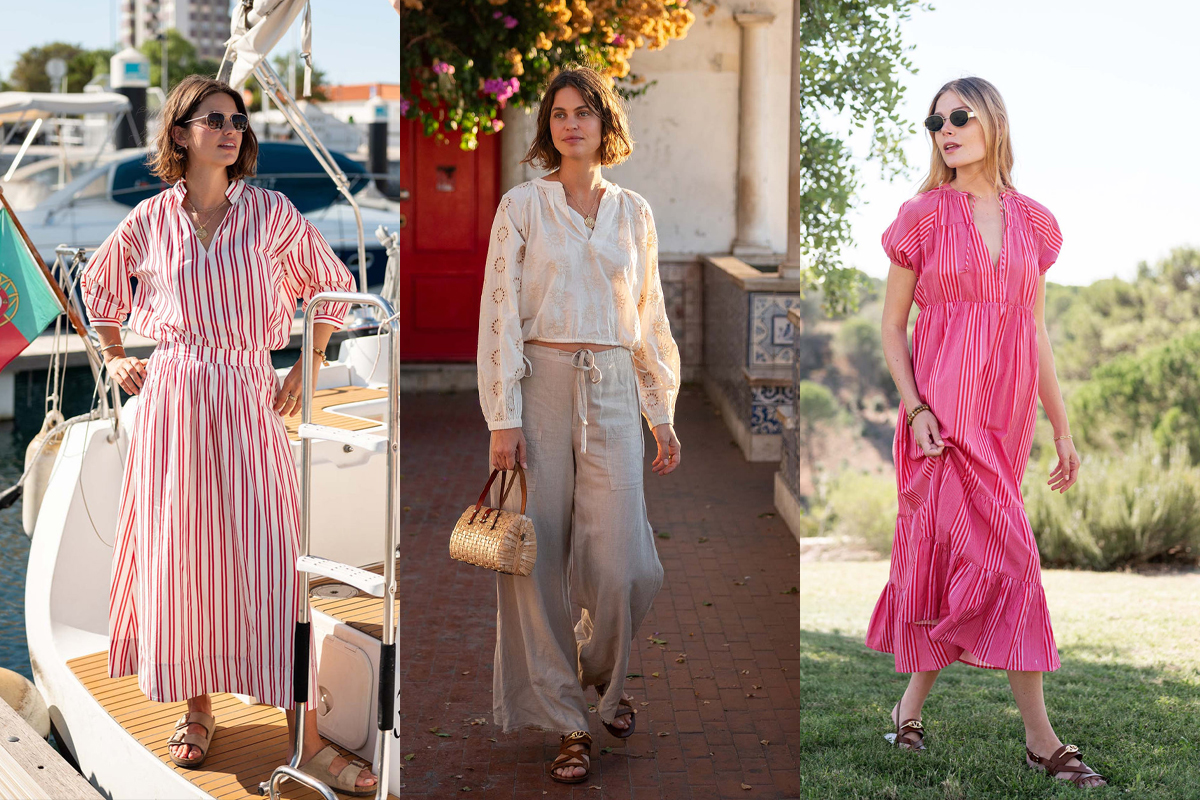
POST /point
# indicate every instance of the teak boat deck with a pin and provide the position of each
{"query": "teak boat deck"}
(250, 741)
(324, 399)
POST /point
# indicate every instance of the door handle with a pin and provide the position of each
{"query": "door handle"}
(403, 220)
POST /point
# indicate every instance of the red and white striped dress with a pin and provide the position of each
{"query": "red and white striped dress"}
(204, 593)
(965, 581)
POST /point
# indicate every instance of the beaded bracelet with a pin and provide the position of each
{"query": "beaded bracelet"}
(321, 353)
(913, 414)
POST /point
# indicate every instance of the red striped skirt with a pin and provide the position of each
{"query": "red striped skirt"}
(204, 594)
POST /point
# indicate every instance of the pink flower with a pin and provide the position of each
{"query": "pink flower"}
(404, 106)
(443, 68)
(497, 124)
(510, 22)
(618, 40)
(498, 15)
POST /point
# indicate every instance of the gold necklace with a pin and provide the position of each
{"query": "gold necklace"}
(201, 227)
(589, 219)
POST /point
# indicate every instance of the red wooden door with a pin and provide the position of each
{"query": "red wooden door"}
(452, 197)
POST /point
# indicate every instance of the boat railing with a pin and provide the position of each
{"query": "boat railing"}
(364, 580)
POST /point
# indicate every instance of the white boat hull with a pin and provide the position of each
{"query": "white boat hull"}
(66, 601)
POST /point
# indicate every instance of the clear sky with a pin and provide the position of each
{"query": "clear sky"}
(354, 41)
(1104, 106)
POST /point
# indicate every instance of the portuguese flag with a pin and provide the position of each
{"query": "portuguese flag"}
(28, 301)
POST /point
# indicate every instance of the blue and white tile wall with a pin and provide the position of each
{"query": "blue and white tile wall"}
(770, 343)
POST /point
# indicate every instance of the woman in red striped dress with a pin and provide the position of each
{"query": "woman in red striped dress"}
(204, 594)
(965, 581)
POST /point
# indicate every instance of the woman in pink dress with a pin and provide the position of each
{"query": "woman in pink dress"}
(204, 593)
(965, 581)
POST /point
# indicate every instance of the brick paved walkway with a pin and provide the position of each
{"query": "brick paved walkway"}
(723, 716)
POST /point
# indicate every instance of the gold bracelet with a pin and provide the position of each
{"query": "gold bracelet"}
(321, 353)
(1068, 436)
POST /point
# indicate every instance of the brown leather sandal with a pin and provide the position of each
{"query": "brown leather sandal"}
(909, 735)
(568, 758)
(624, 709)
(181, 736)
(1057, 763)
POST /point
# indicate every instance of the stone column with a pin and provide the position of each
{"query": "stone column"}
(753, 234)
(515, 137)
(793, 264)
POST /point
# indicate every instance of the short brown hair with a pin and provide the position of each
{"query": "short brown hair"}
(616, 143)
(168, 160)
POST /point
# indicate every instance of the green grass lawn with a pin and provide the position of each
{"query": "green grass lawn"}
(1128, 694)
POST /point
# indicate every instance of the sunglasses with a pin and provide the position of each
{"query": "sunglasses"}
(216, 121)
(958, 118)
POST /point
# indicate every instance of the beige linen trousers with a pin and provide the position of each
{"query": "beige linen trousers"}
(584, 433)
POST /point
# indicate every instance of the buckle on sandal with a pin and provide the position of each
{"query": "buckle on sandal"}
(576, 736)
(914, 724)
(1070, 748)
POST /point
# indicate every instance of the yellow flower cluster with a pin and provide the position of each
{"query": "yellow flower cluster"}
(625, 24)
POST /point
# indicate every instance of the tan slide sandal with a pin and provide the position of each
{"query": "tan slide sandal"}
(318, 767)
(181, 736)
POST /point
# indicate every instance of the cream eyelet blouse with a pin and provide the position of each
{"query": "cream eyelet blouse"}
(548, 277)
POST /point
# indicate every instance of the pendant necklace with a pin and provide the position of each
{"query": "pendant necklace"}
(201, 228)
(590, 219)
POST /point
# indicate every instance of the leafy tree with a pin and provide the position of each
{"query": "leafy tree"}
(1156, 390)
(814, 407)
(181, 60)
(862, 345)
(852, 59)
(29, 73)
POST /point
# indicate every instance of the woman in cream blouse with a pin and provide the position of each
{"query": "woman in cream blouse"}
(573, 342)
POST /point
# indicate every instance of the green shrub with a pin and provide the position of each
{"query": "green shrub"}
(861, 505)
(1126, 510)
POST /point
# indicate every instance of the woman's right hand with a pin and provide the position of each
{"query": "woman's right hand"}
(928, 435)
(129, 372)
(508, 447)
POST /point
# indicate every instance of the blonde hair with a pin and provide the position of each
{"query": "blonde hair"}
(984, 99)
(168, 160)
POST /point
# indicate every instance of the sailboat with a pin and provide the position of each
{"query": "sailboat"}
(347, 451)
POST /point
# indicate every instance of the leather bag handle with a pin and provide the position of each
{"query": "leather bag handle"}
(503, 491)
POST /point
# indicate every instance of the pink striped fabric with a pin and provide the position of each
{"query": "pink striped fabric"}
(965, 582)
(203, 594)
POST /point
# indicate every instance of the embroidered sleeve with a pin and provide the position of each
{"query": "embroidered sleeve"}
(105, 281)
(500, 355)
(656, 358)
(904, 240)
(1048, 235)
(309, 263)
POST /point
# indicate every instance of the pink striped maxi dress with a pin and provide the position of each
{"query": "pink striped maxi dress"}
(965, 582)
(204, 594)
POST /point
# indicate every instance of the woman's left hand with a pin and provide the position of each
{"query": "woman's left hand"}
(668, 449)
(1066, 471)
(287, 399)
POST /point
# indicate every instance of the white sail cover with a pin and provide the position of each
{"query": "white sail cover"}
(256, 29)
(31, 105)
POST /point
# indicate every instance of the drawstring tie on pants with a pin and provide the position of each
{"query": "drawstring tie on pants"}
(584, 361)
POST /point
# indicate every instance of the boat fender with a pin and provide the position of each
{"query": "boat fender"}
(39, 465)
(20, 693)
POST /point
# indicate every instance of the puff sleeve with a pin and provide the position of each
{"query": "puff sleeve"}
(656, 358)
(1046, 234)
(308, 262)
(904, 240)
(105, 281)
(500, 355)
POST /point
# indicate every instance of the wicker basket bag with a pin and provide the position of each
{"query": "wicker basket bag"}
(503, 541)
